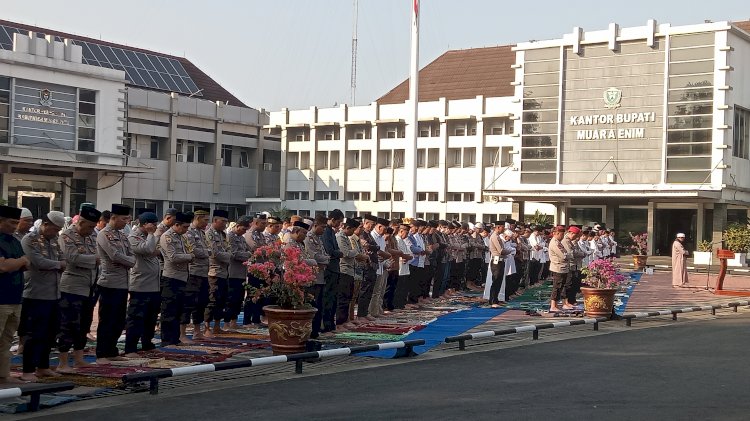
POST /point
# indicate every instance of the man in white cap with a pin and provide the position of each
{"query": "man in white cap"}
(679, 262)
(41, 293)
(24, 224)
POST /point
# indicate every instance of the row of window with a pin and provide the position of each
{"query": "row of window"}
(194, 152)
(4, 109)
(382, 196)
(495, 126)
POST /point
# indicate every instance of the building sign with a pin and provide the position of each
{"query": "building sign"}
(44, 114)
(612, 133)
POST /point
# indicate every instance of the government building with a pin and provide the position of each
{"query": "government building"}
(643, 129)
(84, 120)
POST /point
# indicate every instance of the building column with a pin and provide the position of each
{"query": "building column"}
(561, 216)
(172, 160)
(609, 216)
(650, 227)
(217, 141)
(4, 176)
(66, 197)
(700, 223)
(518, 210)
(720, 224)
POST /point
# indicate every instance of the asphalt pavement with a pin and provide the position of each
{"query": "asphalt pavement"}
(689, 370)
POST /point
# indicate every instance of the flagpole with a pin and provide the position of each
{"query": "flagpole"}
(410, 153)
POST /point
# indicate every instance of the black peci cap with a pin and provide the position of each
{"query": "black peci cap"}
(90, 214)
(121, 209)
(218, 213)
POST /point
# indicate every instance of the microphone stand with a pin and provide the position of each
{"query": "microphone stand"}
(708, 270)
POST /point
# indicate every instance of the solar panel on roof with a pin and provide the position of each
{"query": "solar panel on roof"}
(141, 69)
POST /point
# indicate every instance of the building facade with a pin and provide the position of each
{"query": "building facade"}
(643, 129)
(84, 120)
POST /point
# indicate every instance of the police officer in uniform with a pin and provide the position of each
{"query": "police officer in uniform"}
(145, 296)
(77, 284)
(237, 271)
(116, 257)
(253, 311)
(196, 291)
(217, 271)
(40, 294)
(177, 256)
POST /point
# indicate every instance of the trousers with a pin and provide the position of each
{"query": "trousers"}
(235, 298)
(390, 290)
(113, 304)
(330, 301)
(376, 302)
(201, 300)
(172, 307)
(365, 292)
(76, 316)
(217, 299)
(140, 324)
(41, 327)
(344, 297)
(10, 317)
(497, 270)
(253, 310)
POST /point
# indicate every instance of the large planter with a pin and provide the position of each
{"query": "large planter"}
(289, 329)
(740, 260)
(702, 258)
(639, 261)
(599, 302)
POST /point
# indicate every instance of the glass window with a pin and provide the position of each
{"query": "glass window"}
(366, 159)
(334, 161)
(693, 67)
(741, 133)
(690, 108)
(537, 178)
(539, 128)
(694, 94)
(226, 155)
(433, 157)
(687, 176)
(688, 163)
(244, 159)
(154, 149)
(688, 136)
(692, 122)
(398, 158)
(538, 153)
(470, 157)
(421, 158)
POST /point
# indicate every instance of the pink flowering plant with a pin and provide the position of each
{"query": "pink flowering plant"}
(639, 243)
(285, 276)
(602, 273)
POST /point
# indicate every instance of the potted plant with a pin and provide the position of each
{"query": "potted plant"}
(600, 284)
(285, 277)
(639, 246)
(702, 256)
(737, 239)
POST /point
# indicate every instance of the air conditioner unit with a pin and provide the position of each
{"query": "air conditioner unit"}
(180, 157)
(134, 153)
(267, 166)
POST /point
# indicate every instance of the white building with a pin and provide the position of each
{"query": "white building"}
(84, 120)
(643, 129)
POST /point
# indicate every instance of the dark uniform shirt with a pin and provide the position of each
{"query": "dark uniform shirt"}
(11, 283)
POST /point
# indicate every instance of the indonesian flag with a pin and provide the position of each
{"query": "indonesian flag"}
(416, 7)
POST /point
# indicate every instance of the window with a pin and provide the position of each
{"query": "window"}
(292, 160)
(468, 217)
(365, 196)
(451, 216)
(390, 133)
(366, 159)
(328, 135)
(454, 157)
(459, 131)
(351, 195)
(421, 158)
(385, 215)
(427, 196)
(350, 214)
(398, 158)
(244, 159)
(353, 160)
(154, 148)
(421, 197)
(741, 135)
(385, 158)
(187, 206)
(398, 196)
(226, 155)
(384, 196)
(304, 160)
(470, 157)
(468, 197)
(334, 161)
(196, 152)
(86, 120)
(506, 156)
(234, 211)
(432, 216)
(4, 109)
(454, 197)
(433, 157)
(297, 195)
(321, 159)
(491, 157)
(326, 195)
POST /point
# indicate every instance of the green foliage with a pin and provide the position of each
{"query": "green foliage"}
(737, 238)
(3, 201)
(281, 212)
(704, 245)
(540, 218)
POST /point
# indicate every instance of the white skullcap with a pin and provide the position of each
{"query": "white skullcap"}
(509, 232)
(25, 213)
(57, 218)
(680, 235)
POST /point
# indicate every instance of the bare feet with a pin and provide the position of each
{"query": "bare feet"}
(131, 355)
(46, 372)
(65, 369)
(370, 318)
(29, 377)
(208, 334)
(186, 341)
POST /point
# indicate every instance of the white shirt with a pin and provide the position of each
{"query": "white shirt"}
(381, 243)
(403, 268)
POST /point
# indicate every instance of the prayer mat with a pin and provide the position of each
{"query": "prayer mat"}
(131, 362)
(193, 357)
(162, 364)
(85, 380)
(393, 329)
(106, 370)
(366, 336)
(451, 324)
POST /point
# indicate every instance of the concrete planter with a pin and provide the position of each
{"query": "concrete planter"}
(702, 258)
(740, 260)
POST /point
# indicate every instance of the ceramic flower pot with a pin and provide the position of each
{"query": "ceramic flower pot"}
(289, 329)
(639, 261)
(599, 302)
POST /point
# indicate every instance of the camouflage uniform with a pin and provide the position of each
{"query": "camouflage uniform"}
(217, 274)
(237, 276)
(196, 292)
(173, 281)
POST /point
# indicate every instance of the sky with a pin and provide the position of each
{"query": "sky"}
(298, 53)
